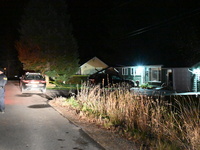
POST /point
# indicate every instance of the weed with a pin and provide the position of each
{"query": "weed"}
(156, 122)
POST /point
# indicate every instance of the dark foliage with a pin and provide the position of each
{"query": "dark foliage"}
(46, 43)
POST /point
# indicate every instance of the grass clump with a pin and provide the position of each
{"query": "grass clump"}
(154, 123)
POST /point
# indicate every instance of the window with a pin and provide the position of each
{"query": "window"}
(33, 77)
(132, 71)
(154, 74)
(124, 71)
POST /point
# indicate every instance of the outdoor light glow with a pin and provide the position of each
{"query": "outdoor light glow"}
(139, 69)
(196, 71)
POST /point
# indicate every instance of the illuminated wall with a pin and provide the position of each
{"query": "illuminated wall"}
(92, 66)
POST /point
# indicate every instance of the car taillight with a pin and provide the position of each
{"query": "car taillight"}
(42, 81)
(25, 81)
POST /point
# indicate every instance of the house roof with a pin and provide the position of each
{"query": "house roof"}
(93, 61)
(171, 63)
(167, 63)
(180, 64)
(150, 66)
(196, 65)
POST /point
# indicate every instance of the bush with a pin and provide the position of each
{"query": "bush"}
(146, 86)
(71, 83)
(77, 79)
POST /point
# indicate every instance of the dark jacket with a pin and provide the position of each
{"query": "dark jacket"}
(3, 80)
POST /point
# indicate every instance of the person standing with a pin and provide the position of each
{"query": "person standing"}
(3, 81)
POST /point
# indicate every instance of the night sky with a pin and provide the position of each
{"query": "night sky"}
(122, 32)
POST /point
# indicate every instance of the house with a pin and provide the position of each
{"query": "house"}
(91, 66)
(177, 79)
(184, 79)
(142, 74)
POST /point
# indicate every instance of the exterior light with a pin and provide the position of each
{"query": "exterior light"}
(196, 71)
(139, 69)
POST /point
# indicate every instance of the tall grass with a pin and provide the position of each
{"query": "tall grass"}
(158, 123)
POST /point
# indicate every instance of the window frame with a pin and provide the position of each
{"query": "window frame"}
(124, 71)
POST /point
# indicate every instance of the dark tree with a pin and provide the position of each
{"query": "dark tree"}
(46, 43)
(188, 40)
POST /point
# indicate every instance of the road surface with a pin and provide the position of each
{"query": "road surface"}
(29, 123)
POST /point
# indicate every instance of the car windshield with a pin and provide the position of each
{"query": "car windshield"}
(34, 77)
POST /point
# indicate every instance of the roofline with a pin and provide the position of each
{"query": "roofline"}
(93, 58)
(174, 67)
(140, 65)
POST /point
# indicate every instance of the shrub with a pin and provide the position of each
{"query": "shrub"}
(146, 86)
(77, 79)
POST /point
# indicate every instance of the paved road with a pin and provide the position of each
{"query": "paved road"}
(29, 123)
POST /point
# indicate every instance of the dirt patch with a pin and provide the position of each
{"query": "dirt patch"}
(104, 137)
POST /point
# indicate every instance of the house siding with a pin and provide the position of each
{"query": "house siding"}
(181, 80)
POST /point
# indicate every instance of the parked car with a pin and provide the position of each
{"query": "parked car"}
(109, 76)
(32, 82)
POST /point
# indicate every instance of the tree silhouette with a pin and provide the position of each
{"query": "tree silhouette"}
(46, 43)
